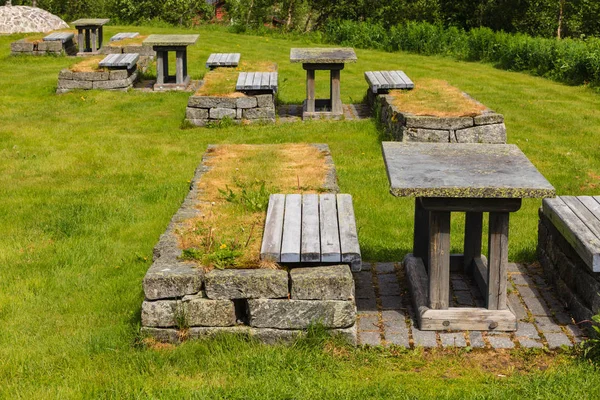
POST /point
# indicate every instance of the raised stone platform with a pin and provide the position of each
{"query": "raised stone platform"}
(182, 301)
(205, 109)
(120, 79)
(488, 127)
(43, 47)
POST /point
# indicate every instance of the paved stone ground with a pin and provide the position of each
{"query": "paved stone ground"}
(385, 315)
(293, 112)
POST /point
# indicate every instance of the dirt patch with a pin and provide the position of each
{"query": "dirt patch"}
(221, 81)
(234, 196)
(436, 98)
(90, 64)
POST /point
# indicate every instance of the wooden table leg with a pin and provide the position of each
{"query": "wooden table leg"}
(472, 246)
(179, 67)
(439, 259)
(497, 260)
(80, 37)
(310, 90)
(421, 234)
(162, 63)
(93, 39)
(335, 94)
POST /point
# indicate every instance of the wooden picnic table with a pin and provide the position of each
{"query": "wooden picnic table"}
(90, 35)
(470, 178)
(327, 59)
(162, 44)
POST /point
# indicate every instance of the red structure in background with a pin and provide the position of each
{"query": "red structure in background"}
(219, 6)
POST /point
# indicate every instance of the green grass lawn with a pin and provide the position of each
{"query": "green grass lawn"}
(89, 180)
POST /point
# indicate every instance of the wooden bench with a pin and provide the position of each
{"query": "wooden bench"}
(578, 221)
(120, 61)
(312, 229)
(384, 81)
(124, 35)
(257, 82)
(223, 60)
(63, 37)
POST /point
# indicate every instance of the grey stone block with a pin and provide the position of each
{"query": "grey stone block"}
(500, 342)
(74, 84)
(333, 282)
(164, 335)
(116, 74)
(424, 338)
(537, 306)
(437, 123)
(246, 102)
(369, 338)
(556, 340)
(196, 113)
(116, 84)
(391, 302)
(397, 338)
(259, 113)
(220, 113)
(53, 46)
(206, 312)
(142, 50)
(299, 314)
(111, 50)
(246, 284)
(198, 122)
(547, 325)
(91, 76)
(425, 135)
(527, 330)
(265, 101)
(394, 321)
(476, 340)
(211, 102)
(65, 74)
(239, 113)
(529, 343)
(455, 339)
(172, 280)
(366, 306)
(495, 134)
(21, 46)
(161, 313)
(385, 268)
(488, 118)
(368, 322)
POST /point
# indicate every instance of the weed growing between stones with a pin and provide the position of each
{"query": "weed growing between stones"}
(591, 347)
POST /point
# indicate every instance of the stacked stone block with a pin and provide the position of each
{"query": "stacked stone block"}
(488, 127)
(146, 52)
(575, 283)
(204, 109)
(43, 48)
(118, 79)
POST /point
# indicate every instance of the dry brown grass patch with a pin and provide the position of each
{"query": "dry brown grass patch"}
(436, 98)
(221, 81)
(40, 37)
(89, 64)
(223, 224)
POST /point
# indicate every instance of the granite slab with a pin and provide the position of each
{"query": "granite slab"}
(462, 171)
(90, 22)
(316, 55)
(171, 40)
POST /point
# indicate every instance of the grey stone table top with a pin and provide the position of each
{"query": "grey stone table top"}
(315, 55)
(462, 171)
(171, 40)
(91, 22)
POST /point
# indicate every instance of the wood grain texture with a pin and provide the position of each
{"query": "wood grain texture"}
(311, 236)
(272, 236)
(329, 228)
(348, 234)
(292, 228)
(468, 319)
(472, 243)
(439, 259)
(497, 261)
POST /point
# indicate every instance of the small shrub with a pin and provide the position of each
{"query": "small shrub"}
(591, 347)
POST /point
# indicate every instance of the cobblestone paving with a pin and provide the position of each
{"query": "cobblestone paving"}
(293, 112)
(385, 315)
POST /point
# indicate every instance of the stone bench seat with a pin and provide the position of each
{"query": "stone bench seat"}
(120, 61)
(578, 220)
(123, 36)
(216, 60)
(63, 37)
(384, 81)
(311, 229)
(257, 82)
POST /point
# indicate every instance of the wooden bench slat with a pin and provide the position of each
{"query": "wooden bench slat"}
(406, 79)
(256, 81)
(127, 60)
(240, 82)
(265, 80)
(59, 36)
(330, 233)
(585, 243)
(223, 60)
(348, 235)
(311, 242)
(233, 58)
(271, 245)
(585, 215)
(211, 59)
(274, 81)
(398, 81)
(389, 79)
(292, 228)
(372, 80)
(249, 79)
(382, 82)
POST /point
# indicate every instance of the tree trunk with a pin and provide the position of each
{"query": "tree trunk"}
(249, 12)
(560, 18)
(33, 3)
(8, 3)
(289, 16)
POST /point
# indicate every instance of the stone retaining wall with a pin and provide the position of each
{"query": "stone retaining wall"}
(183, 302)
(405, 127)
(204, 109)
(43, 48)
(118, 79)
(575, 283)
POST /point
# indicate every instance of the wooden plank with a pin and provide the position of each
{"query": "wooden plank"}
(390, 81)
(271, 244)
(383, 84)
(335, 96)
(310, 90)
(468, 319)
(421, 233)
(406, 79)
(265, 80)
(439, 259)
(211, 60)
(585, 243)
(311, 239)
(249, 80)
(472, 243)
(585, 215)
(348, 234)
(418, 283)
(592, 204)
(480, 273)
(274, 84)
(235, 58)
(471, 204)
(240, 82)
(292, 228)
(256, 81)
(400, 81)
(497, 260)
(372, 81)
(329, 229)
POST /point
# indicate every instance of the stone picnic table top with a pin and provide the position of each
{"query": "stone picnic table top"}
(91, 22)
(171, 40)
(315, 55)
(462, 171)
